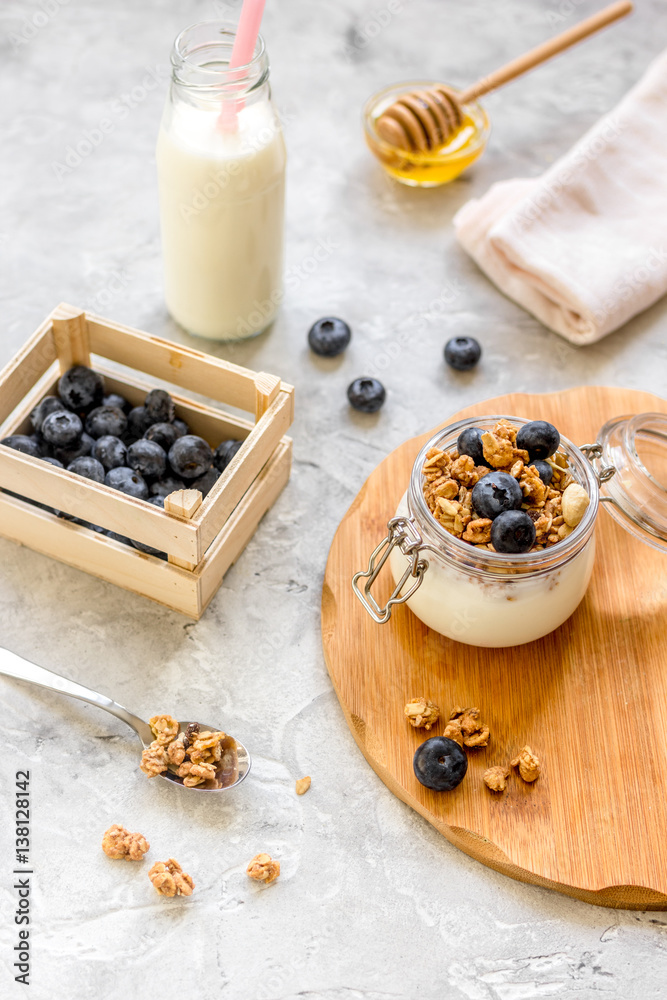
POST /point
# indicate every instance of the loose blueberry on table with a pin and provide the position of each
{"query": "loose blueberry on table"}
(462, 353)
(440, 764)
(329, 336)
(366, 395)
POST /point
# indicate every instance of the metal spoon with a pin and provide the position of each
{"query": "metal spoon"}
(230, 771)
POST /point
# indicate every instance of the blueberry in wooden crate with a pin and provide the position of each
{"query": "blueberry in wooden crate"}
(86, 524)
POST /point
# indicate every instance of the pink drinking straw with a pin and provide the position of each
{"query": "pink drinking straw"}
(242, 53)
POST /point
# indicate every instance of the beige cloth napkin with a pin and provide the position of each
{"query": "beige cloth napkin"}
(584, 246)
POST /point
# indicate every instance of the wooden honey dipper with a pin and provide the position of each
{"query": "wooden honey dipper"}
(422, 120)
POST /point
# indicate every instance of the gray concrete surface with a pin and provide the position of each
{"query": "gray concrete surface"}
(372, 902)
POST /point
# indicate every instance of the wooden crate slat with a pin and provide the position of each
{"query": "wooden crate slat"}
(182, 366)
(18, 421)
(182, 503)
(243, 469)
(103, 557)
(62, 490)
(267, 388)
(243, 523)
(30, 364)
(70, 335)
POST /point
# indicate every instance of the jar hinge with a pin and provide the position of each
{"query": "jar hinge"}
(593, 453)
(402, 533)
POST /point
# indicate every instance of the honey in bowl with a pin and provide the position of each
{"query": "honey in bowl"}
(428, 168)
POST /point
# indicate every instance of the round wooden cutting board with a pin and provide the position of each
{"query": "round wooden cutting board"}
(590, 699)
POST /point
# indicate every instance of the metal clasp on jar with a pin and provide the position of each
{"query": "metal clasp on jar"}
(402, 533)
(593, 453)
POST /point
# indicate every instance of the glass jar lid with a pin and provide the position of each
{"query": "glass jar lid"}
(635, 494)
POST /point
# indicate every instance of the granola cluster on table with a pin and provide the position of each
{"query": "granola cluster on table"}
(191, 755)
(552, 499)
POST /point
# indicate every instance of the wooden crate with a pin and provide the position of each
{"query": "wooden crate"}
(202, 538)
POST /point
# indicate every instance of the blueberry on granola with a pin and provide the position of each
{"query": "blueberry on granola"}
(440, 763)
(496, 493)
(544, 470)
(469, 442)
(539, 438)
(462, 353)
(513, 531)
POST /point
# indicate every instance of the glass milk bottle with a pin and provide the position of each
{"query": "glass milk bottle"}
(221, 175)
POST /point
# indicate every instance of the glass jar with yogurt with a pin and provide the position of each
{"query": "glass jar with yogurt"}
(221, 176)
(485, 598)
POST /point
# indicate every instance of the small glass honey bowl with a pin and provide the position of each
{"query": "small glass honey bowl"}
(433, 167)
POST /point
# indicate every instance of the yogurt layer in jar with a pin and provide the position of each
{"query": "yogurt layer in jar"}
(475, 595)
